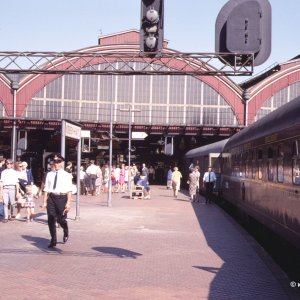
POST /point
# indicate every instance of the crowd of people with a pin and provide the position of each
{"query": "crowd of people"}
(94, 179)
(17, 188)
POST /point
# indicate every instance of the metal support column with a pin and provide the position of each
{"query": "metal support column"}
(130, 110)
(14, 86)
(77, 217)
(63, 139)
(109, 196)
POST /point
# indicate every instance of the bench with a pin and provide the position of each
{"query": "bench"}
(137, 191)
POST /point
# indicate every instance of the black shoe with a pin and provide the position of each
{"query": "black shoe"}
(52, 244)
(65, 239)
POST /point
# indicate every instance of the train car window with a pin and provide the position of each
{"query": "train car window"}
(247, 170)
(270, 152)
(249, 165)
(259, 155)
(243, 170)
(270, 170)
(280, 152)
(259, 171)
(253, 169)
(280, 173)
(236, 171)
(296, 171)
(215, 163)
(225, 163)
(252, 155)
(244, 164)
(296, 148)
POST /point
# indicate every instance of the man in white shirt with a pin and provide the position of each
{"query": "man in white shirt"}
(145, 171)
(92, 171)
(209, 180)
(9, 189)
(57, 199)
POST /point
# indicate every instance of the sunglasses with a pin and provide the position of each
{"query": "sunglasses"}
(58, 161)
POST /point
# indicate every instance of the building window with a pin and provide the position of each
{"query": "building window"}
(72, 87)
(210, 115)
(294, 90)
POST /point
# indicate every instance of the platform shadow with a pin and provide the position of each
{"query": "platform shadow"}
(119, 252)
(39, 242)
(208, 269)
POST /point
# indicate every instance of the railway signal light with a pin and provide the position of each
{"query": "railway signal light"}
(242, 27)
(152, 29)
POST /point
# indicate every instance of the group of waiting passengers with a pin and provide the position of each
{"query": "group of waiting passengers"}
(95, 179)
(17, 188)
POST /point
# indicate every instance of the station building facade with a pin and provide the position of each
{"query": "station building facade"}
(193, 109)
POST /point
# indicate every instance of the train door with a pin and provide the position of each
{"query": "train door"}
(214, 162)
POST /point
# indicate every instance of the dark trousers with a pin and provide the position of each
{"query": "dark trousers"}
(82, 187)
(93, 182)
(55, 208)
(209, 187)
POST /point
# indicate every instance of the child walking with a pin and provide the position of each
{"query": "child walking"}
(29, 204)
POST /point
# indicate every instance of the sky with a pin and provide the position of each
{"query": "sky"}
(189, 25)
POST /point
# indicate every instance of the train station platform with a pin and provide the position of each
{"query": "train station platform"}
(157, 249)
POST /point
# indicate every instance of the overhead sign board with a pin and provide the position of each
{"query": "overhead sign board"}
(102, 147)
(169, 145)
(85, 133)
(139, 135)
(72, 131)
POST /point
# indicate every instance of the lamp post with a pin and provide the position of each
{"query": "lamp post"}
(130, 110)
(246, 97)
(109, 196)
(14, 86)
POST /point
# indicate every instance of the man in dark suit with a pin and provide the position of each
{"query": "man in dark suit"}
(57, 199)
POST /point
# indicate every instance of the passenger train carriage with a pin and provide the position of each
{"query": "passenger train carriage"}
(260, 169)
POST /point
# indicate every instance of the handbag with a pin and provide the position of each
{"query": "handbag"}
(21, 201)
(1, 209)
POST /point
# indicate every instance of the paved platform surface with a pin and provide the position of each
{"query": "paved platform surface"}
(163, 248)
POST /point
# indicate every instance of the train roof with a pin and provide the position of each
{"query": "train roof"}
(280, 119)
(205, 150)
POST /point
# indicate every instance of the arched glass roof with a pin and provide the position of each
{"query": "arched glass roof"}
(160, 99)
